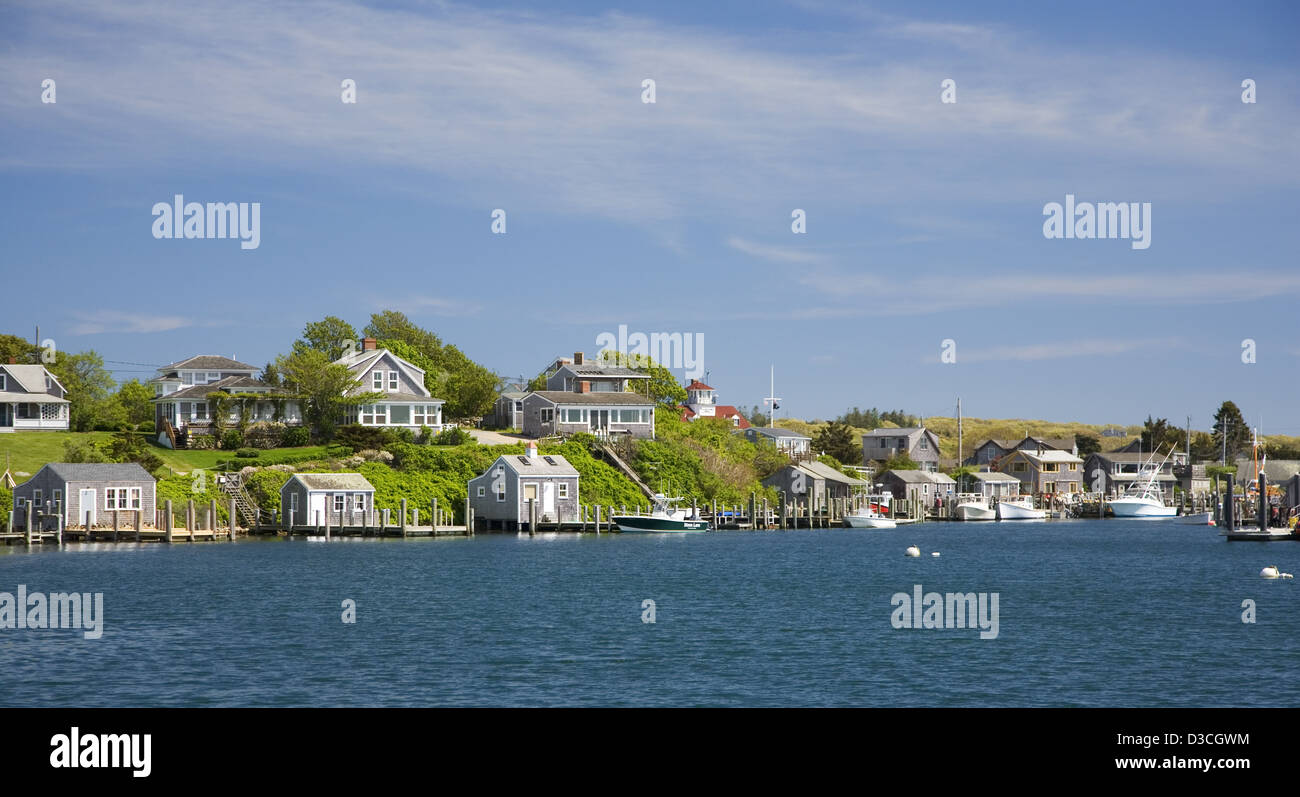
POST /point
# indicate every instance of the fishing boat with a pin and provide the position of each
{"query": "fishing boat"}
(664, 518)
(1143, 498)
(873, 515)
(1020, 508)
(973, 506)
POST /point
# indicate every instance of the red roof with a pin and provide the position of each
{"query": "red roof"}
(697, 385)
(723, 411)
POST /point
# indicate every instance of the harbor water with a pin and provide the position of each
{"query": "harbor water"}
(1090, 613)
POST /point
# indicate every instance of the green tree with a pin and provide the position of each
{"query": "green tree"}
(468, 388)
(135, 400)
(20, 350)
(1157, 434)
(1203, 447)
(962, 475)
(838, 440)
(662, 387)
(899, 462)
(1087, 444)
(1230, 431)
(321, 387)
(90, 389)
(392, 325)
(331, 336)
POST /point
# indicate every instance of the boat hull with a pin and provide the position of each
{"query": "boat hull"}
(865, 522)
(1008, 511)
(1139, 509)
(975, 512)
(648, 524)
(1198, 519)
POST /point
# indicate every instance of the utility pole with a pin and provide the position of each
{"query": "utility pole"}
(1189, 440)
(771, 401)
(959, 452)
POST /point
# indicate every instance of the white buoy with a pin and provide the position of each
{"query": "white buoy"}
(1269, 572)
(935, 553)
(912, 551)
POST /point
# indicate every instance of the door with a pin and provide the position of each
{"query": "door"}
(530, 495)
(599, 420)
(548, 498)
(86, 499)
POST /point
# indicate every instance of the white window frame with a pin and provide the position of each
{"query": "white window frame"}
(562, 490)
(38, 496)
(340, 503)
(392, 382)
(377, 379)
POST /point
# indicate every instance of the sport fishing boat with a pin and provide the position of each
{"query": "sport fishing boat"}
(973, 506)
(1020, 508)
(1143, 498)
(873, 515)
(664, 518)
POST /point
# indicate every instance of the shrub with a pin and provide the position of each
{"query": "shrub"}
(359, 438)
(247, 453)
(147, 427)
(401, 435)
(453, 437)
(295, 437)
(232, 439)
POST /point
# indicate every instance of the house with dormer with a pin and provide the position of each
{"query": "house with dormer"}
(504, 496)
(702, 402)
(917, 443)
(183, 397)
(406, 402)
(568, 375)
(32, 399)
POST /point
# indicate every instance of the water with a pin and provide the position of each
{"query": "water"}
(1113, 613)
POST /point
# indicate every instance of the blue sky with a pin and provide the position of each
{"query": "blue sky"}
(924, 219)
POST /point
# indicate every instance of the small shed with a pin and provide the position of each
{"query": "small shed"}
(501, 495)
(85, 494)
(344, 499)
(815, 479)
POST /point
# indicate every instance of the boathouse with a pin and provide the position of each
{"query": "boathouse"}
(504, 495)
(815, 479)
(85, 494)
(339, 499)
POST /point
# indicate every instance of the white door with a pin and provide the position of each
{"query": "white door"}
(548, 497)
(87, 510)
(316, 509)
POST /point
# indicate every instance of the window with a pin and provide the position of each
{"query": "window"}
(187, 378)
(482, 491)
(359, 502)
(501, 490)
(425, 415)
(338, 502)
(1017, 467)
(392, 381)
(399, 414)
(58, 496)
(37, 495)
(925, 444)
(4, 381)
(884, 442)
(293, 502)
(1051, 467)
(562, 490)
(377, 380)
(548, 415)
(122, 498)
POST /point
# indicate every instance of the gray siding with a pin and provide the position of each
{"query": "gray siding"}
(47, 482)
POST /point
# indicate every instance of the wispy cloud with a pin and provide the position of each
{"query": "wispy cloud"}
(1060, 350)
(101, 321)
(775, 254)
(432, 305)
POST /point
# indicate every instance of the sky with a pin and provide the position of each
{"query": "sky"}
(923, 219)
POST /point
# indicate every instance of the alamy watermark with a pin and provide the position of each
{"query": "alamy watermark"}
(67, 610)
(74, 749)
(683, 350)
(1131, 220)
(181, 219)
(950, 610)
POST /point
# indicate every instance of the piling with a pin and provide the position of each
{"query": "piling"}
(139, 523)
(230, 510)
(597, 508)
(532, 516)
(1262, 513)
(58, 528)
(29, 521)
(1229, 520)
(169, 522)
(115, 524)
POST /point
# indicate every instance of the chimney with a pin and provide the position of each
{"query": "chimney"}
(577, 358)
(532, 449)
(13, 360)
(368, 344)
(584, 386)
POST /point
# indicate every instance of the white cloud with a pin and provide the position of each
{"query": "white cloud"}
(775, 254)
(101, 321)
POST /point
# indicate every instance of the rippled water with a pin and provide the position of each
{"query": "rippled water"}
(1091, 613)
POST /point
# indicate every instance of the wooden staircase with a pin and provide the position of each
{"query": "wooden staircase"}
(233, 485)
(625, 469)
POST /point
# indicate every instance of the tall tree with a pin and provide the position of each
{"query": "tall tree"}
(1087, 443)
(1158, 434)
(1230, 432)
(394, 325)
(838, 440)
(135, 399)
(332, 336)
(662, 386)
(90, 390)
(321, 386)
(20, 350)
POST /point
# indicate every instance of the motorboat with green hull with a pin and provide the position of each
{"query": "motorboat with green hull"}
(664, 518)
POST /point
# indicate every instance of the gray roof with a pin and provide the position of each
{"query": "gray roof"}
(231, 384)
(548, 464)
(899, 432)
(352, 482)
(99, 472)
(30, 377)
(912, 476)
(823, 471)
(776, 431)
(32, 398)
(994, 477)
(209, 362)
(608, 371)
(602, 397)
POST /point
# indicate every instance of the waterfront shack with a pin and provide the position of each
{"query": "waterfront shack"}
(84, 494)
(503, 496)
(341, 499)
(817, 480)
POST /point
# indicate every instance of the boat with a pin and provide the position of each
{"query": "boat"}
(1020, 508)
(664, 518)
(1143, 498)
(1197, 519)
(873, 515)
(972, 506)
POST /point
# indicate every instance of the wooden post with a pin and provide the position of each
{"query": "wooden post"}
(402, 525)
(435, 510)
(29, 521)
(168, 521)
(115, 524)
(532, 516)
(212, 517)
(415, 517)
(139, 523)
(58, 526)
(230, 510)
(329, 508)
(597, 509)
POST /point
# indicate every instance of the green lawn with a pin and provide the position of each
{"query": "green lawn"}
(29, 451)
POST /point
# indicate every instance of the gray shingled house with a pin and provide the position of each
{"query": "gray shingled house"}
(549, 412)
(816, 479)
(348, 498)
(501, 495)
(920, 444)
(31, 398)
(86, 494)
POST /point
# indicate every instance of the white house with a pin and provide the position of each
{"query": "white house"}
(31, 398)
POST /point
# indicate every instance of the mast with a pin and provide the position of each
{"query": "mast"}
(959, 431)
(772, 400)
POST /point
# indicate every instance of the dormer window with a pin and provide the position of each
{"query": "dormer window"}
(377, 380)
(392, 381)
(4, 383)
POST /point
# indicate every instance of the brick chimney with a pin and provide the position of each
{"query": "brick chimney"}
(368, 344)
(532, 449)
(584, 386)
(577, 358)
(13, 360)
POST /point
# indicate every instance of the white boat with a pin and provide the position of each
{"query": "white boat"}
(971, 506)
(1197, 519)
(664, 518)
(874, 514)
(1020, 508)
(1143, 498)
